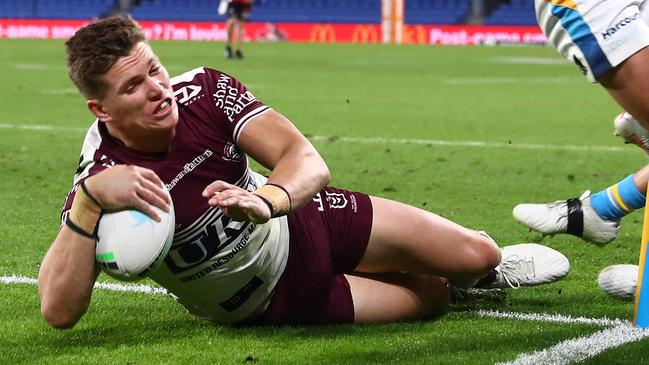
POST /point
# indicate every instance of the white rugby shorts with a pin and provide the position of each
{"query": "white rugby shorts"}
(597, 35)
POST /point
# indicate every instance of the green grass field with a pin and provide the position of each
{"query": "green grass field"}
(393, 121)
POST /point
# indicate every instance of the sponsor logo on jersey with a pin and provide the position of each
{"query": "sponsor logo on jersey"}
(242, 295)
(189, 167)
(203, 250)
(230, 99)
(608, 34)
(188, 94)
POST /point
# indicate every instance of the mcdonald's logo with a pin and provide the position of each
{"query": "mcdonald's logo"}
(322, 33)
(365, 34)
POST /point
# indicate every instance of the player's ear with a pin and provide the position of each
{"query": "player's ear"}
(98, 110)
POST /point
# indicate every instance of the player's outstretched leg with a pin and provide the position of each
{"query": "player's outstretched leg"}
(627, 127)
(529, 264)
(574, 216)
(619, 281)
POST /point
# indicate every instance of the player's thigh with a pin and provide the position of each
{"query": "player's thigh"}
(397, 297)
(628, 84)
(406, 238)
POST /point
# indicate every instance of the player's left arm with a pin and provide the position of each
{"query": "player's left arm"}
(273, 141)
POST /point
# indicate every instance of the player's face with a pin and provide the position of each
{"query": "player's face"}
(139, 97)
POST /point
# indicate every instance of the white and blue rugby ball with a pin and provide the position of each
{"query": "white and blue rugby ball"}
(131, 245)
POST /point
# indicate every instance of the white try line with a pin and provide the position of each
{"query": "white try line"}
(565, 352)
(582, 348)
(381, 140)
(554, 318)
(551, 318)
(132, 288)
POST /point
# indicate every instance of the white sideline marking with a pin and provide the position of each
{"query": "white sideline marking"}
(432, 142)
(30, 66)
(522, 60)
(133, 288)
(582, 348)
(37, 127)
(565, 352)
(469, 143)
(39, 66)
(507, 80)
(65, 91)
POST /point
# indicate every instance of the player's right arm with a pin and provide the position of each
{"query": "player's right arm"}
(66, 277)
(68, 271)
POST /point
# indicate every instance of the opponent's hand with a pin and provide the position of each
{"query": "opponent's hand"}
(129, 186)
(237, 203)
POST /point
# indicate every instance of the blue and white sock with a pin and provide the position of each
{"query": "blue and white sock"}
(618, 200)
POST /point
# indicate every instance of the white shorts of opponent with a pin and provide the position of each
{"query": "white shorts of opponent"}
(597, 35)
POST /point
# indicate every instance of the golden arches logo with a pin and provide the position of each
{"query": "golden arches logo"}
(365, 34)
(322, 33)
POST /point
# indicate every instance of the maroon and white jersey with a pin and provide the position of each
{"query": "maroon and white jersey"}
(217, 268)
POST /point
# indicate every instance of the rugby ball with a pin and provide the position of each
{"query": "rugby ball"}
(131, 245)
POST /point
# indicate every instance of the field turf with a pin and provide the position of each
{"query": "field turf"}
(465, 132)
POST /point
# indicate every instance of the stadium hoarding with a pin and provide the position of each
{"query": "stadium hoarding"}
(292, 32)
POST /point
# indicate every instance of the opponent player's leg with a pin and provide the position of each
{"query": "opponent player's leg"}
(239, 38)
(393, 297)
(405, 238)
(628, 82)
(230, 24)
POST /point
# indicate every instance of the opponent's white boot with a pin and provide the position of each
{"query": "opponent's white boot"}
(573, 216)
(529, 264)
(627, 127)
(619, 281)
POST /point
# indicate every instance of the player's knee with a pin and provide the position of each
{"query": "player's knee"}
(480, 254)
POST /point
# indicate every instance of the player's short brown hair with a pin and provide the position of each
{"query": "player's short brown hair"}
(95, 48)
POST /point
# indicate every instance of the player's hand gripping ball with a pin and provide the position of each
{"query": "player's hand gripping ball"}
(131, 245)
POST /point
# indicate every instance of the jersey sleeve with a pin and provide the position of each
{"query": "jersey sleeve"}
(217, 99)
(234, 105)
